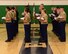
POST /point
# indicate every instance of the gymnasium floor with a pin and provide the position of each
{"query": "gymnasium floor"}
(15, 46)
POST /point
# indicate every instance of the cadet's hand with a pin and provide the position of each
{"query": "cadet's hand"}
(7, 19)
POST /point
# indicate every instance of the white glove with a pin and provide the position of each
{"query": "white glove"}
(52, 14)
(3, 18)
(38, 17)
(22, 13)
(55, 18)
(22, 18)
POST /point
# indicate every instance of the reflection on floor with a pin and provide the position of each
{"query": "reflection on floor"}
(36, 50)
(57, 46)
(15, 46)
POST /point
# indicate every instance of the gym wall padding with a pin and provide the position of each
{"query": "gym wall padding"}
(20, 9)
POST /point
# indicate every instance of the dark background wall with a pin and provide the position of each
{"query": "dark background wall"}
(20, 9)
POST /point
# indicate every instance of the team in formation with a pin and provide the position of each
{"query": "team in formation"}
(11, 23)
(58, 17)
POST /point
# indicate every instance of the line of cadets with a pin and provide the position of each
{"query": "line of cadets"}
(43, 22)
(58, 17)
(11, 23)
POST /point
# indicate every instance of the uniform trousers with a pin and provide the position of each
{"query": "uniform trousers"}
(62, 33)
(27, 32)
(43, 33)
(9, 30)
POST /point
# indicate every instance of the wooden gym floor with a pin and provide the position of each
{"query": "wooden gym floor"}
(15, 46)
